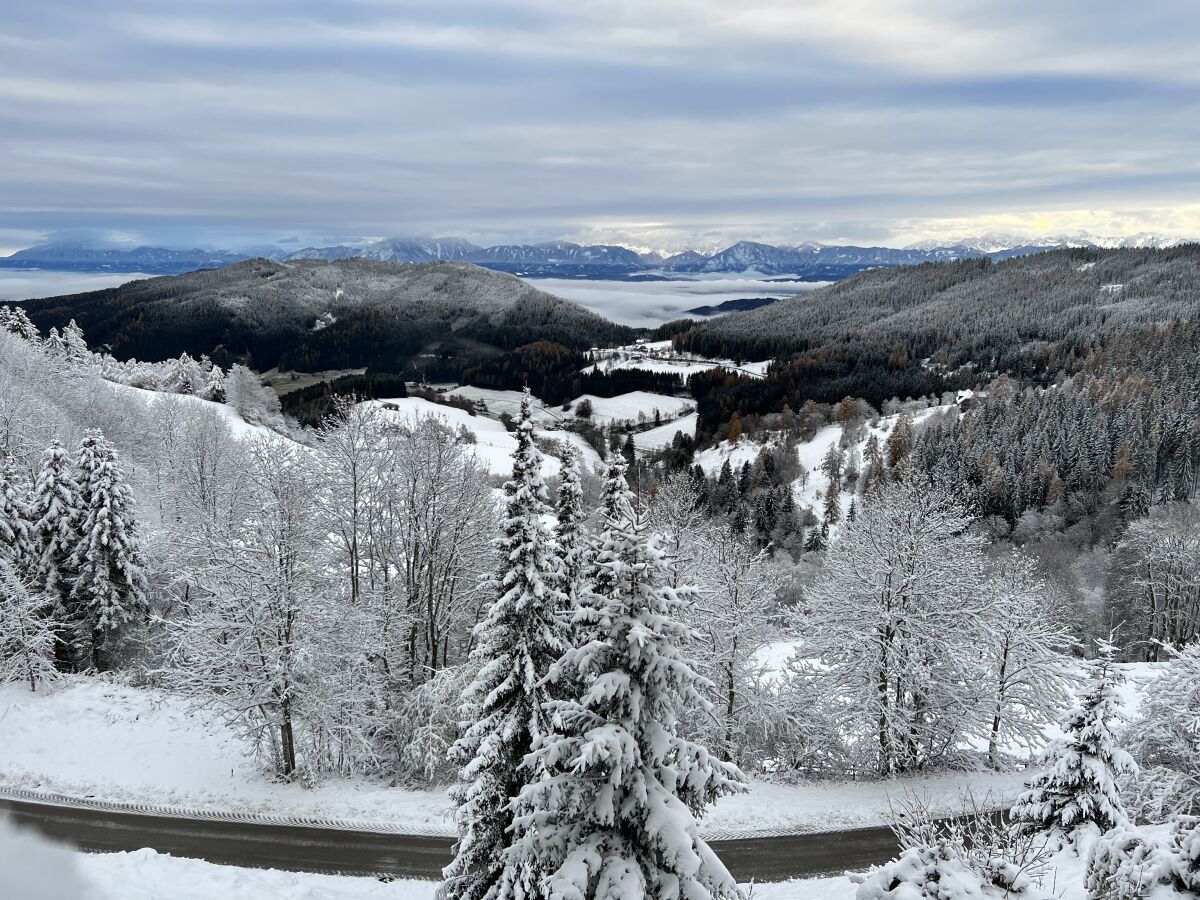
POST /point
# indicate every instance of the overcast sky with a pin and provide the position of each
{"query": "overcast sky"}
(646, 122)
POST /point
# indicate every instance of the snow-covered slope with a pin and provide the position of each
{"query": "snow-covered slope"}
(237, 425)
(634, 407)
(494, 446)
(664, 435)
(809, 453)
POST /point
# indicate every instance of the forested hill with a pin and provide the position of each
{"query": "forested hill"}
(317, 314)
(1022, 315)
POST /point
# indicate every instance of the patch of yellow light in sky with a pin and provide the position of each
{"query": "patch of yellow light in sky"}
(1177, 221)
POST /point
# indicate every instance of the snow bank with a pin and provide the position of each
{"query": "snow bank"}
(146, 875)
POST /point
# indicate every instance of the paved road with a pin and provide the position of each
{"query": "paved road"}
(366, 853)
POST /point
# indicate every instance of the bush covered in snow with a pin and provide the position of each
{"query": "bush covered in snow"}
(1126, 864)
(943, 872)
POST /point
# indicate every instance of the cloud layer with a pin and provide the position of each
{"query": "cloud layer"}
(663, 123)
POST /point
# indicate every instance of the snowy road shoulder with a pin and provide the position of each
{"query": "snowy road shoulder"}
(145, 748)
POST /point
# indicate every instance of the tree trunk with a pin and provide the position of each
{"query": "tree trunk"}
(994, 739)
(287, 740)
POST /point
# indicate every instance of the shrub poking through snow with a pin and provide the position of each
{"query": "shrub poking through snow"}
(1185, 848)
(968, 857)
(941, 872)
(1126, 864)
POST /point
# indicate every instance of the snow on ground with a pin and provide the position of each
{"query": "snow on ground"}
(628, 407)
(836, 805)
(494, 445)
(93, 737)
(659, 356)
(590, 458)
(663, 435)
(810, 453)
(497, 402)
(146, 875)
(239, 426)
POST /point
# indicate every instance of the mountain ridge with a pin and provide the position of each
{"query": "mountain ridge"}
(319, 314)
(806, 261)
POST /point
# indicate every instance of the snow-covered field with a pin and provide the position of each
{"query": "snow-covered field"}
(92, 737)
(494, 445)
(497, 402)
(658, 356)
(634, 407)
(663, 435)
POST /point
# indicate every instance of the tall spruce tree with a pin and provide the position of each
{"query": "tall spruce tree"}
(520, 638)
(1079, 787)
(54, 509)
(109, 585)
(568, 532)
(615, 813)
(16, 525)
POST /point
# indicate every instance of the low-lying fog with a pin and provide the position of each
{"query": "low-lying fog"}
(650, 303)
(27, 284)
(640, 303)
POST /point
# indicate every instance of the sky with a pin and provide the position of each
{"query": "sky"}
(653, 123)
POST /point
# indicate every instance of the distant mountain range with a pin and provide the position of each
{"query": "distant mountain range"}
(562, 259)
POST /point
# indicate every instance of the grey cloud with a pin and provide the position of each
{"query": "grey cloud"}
(228, 123)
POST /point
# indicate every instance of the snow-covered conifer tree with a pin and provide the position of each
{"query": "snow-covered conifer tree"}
(1079, 788)
(54, 509)
(109, 581)
(15, 320)
(74, 344)
(520, 638)
(27, 631)
(54, 344)
(16, 525)
(185, 376)
(570, 541)
(214, 386)
(615, 813)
